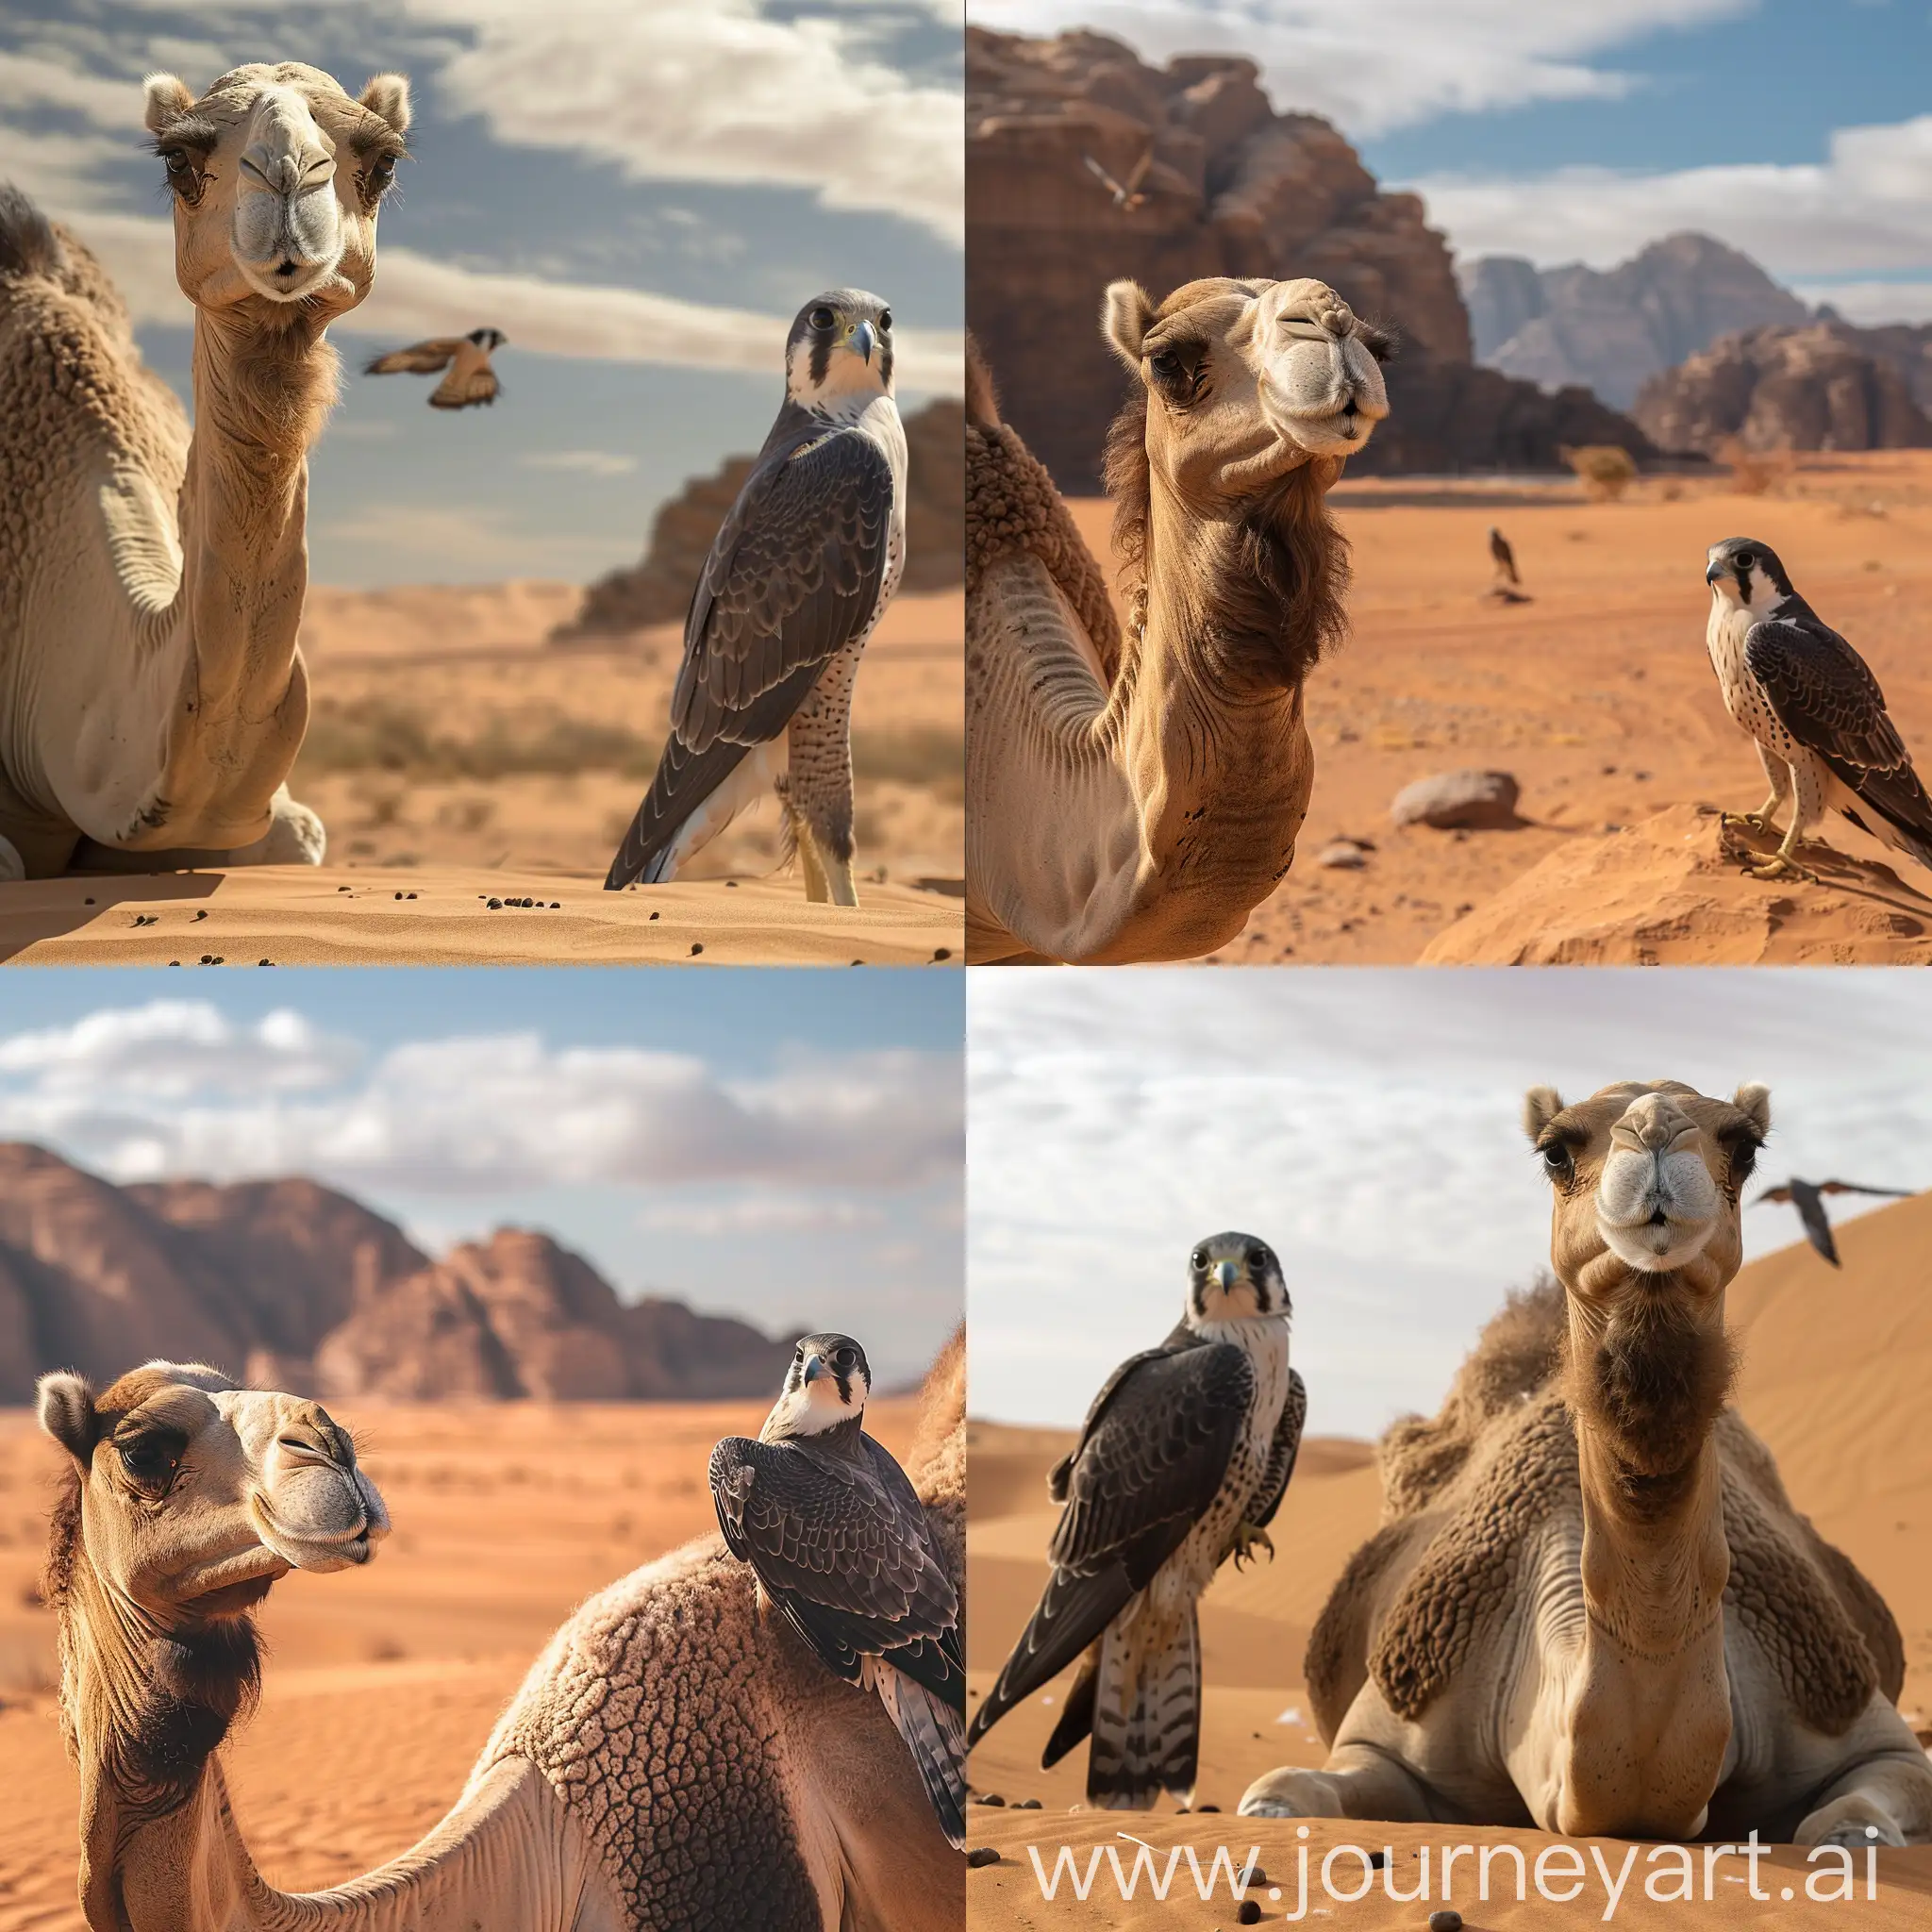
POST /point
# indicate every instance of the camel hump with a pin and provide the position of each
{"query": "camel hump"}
(1515, 1357)
(28, 245)
(982, 392)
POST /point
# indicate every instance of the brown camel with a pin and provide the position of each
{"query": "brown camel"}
(1133, 796)
(1592, 1608)
(676, 1757)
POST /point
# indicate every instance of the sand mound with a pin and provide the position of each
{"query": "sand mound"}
(442, 915)
(1672, 890)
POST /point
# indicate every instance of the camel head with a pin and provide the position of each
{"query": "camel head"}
(277, 177)
(1246, 381)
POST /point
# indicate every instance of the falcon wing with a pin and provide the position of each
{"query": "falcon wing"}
(1816, 1223)
(1825, 696)
(792, 577)
(1281, 1456)
(419, 358)
(1853, 1188)
(1151, 1464)
(1780, 1194)
(848, 1561)
(464, 388)
(1106, 180)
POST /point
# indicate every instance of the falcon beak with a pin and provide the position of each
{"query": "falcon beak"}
(1717, 569)
(1224, 1274)
(863, 340)
(815, 1369)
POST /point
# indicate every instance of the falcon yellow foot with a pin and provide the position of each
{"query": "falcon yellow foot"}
(1757, 820)
(1246, 1534)
(1781, 865)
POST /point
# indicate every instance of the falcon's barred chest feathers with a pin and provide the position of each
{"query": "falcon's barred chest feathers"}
(839, 1543)
(800, 572)
(1812, 706)
(1182, 1462)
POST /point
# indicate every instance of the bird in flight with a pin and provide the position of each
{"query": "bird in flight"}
(1127, 194)
(471, 380)
(1813, 709)
(1806, 1197)
(799, 576)
(839, 1543)
(1503, 557)
(1182, 1462)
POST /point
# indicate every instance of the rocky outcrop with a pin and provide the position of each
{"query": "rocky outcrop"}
(290, 1284)
(1611, 330)
(659, 590)
(1211, 181)
(1822, 387)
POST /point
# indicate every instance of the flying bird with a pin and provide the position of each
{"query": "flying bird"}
(1129, 194)
(1181, 1463)
(1805, 1197)
(1813, 707)
(840, 1544)
(1503, 557)
(470, 380)
(797, 578)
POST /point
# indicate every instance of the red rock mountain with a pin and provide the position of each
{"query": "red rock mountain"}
(289, 1283)
(1226, 187)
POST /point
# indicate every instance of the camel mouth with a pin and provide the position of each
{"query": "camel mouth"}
(314, 1547)
(1657, 1244)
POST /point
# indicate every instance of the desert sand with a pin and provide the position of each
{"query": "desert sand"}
(458, 756)
(381, 1686)
(1834, 1367)
(1597, 694)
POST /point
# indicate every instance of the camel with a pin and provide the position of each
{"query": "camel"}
(152, 696)
(1591, 1606)
(1134, 795)
(676, 1758)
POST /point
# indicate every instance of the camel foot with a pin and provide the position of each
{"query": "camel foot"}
(1288, 1792)
(12, 866)
(295, 836)
(1246, 1534)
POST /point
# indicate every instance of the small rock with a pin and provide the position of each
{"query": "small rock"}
(696, 947)
(1343, 856)
(1247, 1913)
(653, 915)
(208, 959)
(87, 902)
(731, 885)
(989, 1798)
(1377, 1860)
(173, 962)
(556, 904)
(1476, 801)
(982, 1855)
(399, 896)
(496, 904)
(1025, 1804)
(1445, 1922)
(1206, 1807)
(265, 962)
(408, 895)
(942, 953)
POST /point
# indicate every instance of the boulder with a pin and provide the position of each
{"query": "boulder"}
(1458, 801)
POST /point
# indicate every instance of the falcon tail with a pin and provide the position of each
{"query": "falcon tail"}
(691, 799)
(935, 1734)
(1899, 811)
(1146, 1722)
(1073, 1612)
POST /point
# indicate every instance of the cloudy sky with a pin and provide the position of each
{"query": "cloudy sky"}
(1367, 1124)
(1573, 130)
(781, 1146)
(639, 193)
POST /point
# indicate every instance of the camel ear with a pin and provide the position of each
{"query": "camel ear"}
(67, 1413)
(1126, 318)
(167, 100)
(1541, 1105)
(1753, 1102)
(388, 96)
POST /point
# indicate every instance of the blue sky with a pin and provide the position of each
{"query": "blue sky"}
(784, 1146)
(1579, 129)
(1367, 1123)
(576, 166)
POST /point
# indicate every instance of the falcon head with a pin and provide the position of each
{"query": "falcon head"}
(1235, 1277)
(488, 338)
(826, 1384)
(1745, 572)
(838, 356)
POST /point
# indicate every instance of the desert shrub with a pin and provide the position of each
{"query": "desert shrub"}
(1606, 470)
(1756, 471)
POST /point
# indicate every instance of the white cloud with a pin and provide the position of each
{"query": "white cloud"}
(1372, 68)
(583, 462)
(760, 1213)
(1871, 303)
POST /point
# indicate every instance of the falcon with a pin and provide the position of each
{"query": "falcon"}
(1503, 557)
(1812, 707)
(1127, 194)
(839, 1543)
(470, 380)
(1806, 1197)
(1182, 1462)
(799, 576)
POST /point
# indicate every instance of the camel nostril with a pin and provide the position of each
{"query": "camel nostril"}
(1658, 1218)
(285, 268)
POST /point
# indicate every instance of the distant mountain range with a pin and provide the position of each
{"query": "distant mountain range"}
(291, 1285)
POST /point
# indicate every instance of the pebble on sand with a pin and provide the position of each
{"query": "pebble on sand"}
(1343, 856)
(1449, 801)
(989, 1798)
(982, 1855)
(1247, 1913)
(1445, 1922)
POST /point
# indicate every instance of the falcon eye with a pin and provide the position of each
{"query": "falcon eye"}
(822, 317)
(885, 323)
(843, 1358)
(1744, 559)
(1199, 1257)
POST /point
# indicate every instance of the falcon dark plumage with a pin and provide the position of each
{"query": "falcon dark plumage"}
(840, 1544)
(1502, 557)
(471, 380)
(1182, 1462)
(801, 571)
(1812, 707)
(1806, 1197)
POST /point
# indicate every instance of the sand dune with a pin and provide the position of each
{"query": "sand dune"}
(1834, 1367)
(381, 1686)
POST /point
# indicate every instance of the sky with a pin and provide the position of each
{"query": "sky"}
(782, 1146)
(641, 193)
(1569, 131)
(1367, 1124)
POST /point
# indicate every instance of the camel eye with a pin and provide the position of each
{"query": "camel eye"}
(1743, 1151)
(184, 176)
(381, 177)
(1558, 1163)
(149, 1460)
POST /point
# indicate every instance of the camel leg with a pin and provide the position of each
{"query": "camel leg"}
(294, 837)
(1891, 1794)
(12, 866)
(1358, 1781)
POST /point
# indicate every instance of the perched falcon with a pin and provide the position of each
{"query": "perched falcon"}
(470, 380)
(1815, 710)
(1806, 1197)
(801, 571)
(840, 1544)
(1181, 1463)
(1503, 557)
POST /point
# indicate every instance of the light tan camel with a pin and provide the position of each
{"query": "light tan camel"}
(152, 695)
(1134, 797)
(674, 1759)
(1591, 1606)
